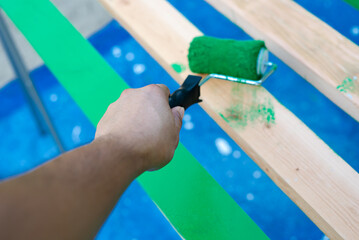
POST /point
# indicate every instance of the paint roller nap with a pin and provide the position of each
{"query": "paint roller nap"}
(225, 56)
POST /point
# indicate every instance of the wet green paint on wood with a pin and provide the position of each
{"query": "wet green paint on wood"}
(349, 85)
(224, 118)
(251, 110)
(178, 67)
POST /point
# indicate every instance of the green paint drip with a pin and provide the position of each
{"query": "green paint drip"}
(225, 119)
(225, 56)
(195, 204)
(249, 111)
(348, 86)
(178, 67)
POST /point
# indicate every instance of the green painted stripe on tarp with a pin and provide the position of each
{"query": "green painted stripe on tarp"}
(194, 203)
(354, 3)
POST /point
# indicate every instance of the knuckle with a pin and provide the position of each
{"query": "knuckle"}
(110, 106)
(158, 88)
(161, 86)
(152, 87)
(165, 88)
(125, 92)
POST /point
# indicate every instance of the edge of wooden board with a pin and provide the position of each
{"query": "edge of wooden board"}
(321, 55)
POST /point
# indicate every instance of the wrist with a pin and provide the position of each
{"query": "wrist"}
(121, 154)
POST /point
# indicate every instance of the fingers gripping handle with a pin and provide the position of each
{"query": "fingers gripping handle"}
(188, 94)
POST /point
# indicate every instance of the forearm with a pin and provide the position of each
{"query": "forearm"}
(69, 197)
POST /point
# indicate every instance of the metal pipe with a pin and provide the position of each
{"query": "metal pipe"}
(31, 94)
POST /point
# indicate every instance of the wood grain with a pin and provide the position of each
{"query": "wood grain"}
(322, 184)
(309, 46)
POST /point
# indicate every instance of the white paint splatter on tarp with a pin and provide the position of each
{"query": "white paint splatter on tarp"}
(116, 52)
(250, 197)
(237, 154)
(53, 97)
(188, 125)
(187, 118)
(355, 30)
(76, 131)
(257, 174)
(223, 146)
(139, 68)
(130, 56)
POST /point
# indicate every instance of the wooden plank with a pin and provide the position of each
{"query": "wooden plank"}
(321, 55)
(323, 185)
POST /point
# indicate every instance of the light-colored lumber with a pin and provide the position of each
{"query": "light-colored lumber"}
(321, 55)
(322, 184)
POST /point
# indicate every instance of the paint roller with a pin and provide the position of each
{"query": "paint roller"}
(244, 62)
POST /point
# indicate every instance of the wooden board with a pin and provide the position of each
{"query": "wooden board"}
(322, 56)
(323, 185)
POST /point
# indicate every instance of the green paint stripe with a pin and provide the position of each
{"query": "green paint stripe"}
(354, 3)
(191, 199)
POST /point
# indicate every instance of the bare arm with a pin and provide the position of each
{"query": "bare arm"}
(71, 196)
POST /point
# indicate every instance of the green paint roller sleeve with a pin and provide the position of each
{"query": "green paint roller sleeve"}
(225, 56)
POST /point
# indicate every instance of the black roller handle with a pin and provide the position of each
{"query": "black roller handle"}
(188, 94)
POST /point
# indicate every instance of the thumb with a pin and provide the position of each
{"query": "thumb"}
(178, 113)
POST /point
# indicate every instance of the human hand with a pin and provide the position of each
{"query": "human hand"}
(142, 123)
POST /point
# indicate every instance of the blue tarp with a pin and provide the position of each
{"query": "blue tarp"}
(135, 216)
